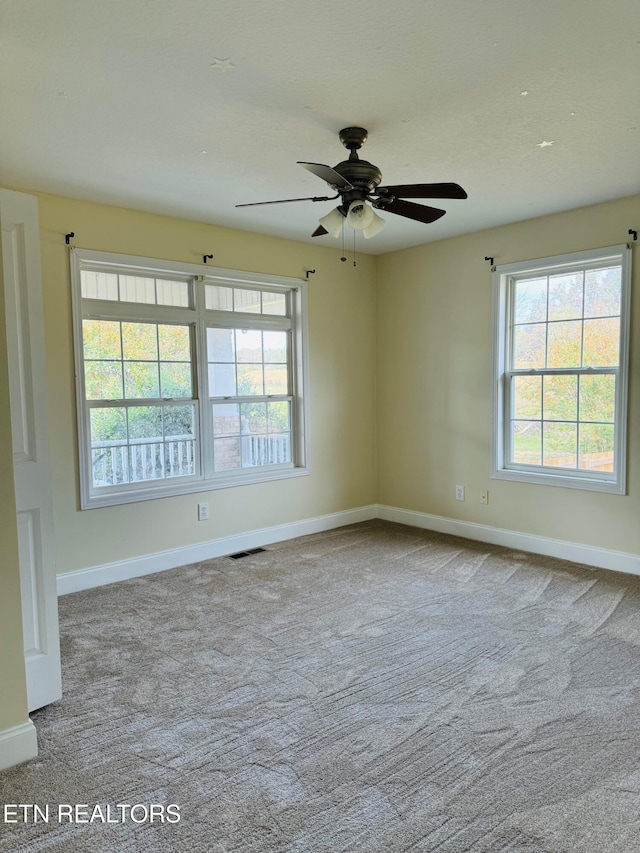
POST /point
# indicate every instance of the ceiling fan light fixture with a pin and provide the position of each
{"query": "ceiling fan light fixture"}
(332, 222)
(362, 217)
(375, 227)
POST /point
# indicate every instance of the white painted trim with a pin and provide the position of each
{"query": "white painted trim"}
(504, 278)
(18, 744)
(171, 559)
(603, 558)
(230, 276)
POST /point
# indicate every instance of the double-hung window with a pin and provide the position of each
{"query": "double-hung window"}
(560, 383)
(187, 378)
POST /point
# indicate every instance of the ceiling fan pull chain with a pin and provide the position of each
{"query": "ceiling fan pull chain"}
(354, 247)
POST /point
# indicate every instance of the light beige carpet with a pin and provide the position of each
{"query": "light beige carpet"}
(374, 688)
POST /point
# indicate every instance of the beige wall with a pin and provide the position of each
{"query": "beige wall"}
(13, 691)
(433, 341)
(434, 382)
(341, 355)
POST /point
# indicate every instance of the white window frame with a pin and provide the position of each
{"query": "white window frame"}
(200, 318)
(504, 277)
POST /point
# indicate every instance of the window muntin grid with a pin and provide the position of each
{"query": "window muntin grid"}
(562, 371)
(252, 367)
(143, 386)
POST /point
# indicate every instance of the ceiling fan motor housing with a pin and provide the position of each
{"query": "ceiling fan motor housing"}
(363, 176)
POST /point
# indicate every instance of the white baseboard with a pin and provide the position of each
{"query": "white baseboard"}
(602, 558)
(18, 744)
(171, 559)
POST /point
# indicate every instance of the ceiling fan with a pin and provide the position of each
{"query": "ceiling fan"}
(356, 184)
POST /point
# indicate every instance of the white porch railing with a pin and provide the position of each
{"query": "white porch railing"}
(149, 460)
(142, 459)
(265, 449)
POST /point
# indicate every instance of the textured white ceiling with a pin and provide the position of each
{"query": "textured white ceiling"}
(117, 101)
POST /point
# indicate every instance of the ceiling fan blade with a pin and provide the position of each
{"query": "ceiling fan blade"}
(320, 231)
(423, 191)
(333, 178)
(285, 200)
(419, 212)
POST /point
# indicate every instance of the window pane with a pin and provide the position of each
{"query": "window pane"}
(140, 341)
(253, 418)
(179, 458)
(560, 445)
(279, 432)
(226, 419)
(530, 304)
(275, 346)
(222, 380)
(108, 425)
(565, 296)
(597, 398)
(101, 339)
(218, 298)
(596, 447)
(103, 380)
(175, 343)
(146, 461)
(141, 379)
(564, 344)
(529, 346)
(601, 343)
(99, 285)
(278, 417)
(226, 454)
(109, 465)
(249, 345)
(247, 301)
(527, 443)
(137, 288)
(145, 422)
(250, 380)
(274, 303)
(266, 438)
(276, 379)
(221, 344)
(602, 292)
(172, 292)
(175, 379)
(178, 421)
(560, 398)
(527, 397)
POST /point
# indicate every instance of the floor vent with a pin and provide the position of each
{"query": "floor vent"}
(241, 554)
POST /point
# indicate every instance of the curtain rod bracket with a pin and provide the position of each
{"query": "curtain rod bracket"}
(204, 258)
(487, 258)
(633, 233)
(308, 273)
(71, 234)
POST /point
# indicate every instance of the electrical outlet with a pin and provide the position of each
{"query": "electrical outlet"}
(203, 512)
(484, 496)
(459, 493)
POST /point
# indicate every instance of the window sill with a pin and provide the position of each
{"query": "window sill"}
(566, 481)
(115, 498)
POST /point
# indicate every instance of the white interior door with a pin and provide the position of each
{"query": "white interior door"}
(29, 426)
